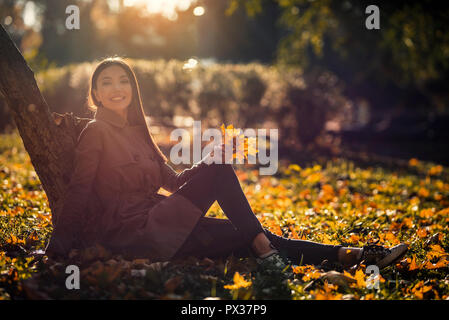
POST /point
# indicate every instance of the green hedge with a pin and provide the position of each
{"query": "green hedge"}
(245, 95)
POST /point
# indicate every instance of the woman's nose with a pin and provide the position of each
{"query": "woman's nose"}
(117, 86)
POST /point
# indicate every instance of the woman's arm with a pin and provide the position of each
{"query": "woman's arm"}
(69, 222)
(172, 181)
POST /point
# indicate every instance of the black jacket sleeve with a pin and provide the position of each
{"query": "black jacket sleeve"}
(172, 181)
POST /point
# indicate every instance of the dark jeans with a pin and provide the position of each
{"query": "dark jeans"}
(215, 238)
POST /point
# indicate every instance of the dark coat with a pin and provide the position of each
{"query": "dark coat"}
(112, 197)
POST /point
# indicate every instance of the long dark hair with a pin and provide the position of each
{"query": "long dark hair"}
(136, 115)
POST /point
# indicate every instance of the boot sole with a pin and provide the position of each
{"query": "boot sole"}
(391, 258)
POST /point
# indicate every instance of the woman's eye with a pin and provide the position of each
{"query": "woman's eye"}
(109, 83)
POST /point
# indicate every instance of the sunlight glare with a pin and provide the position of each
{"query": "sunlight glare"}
(29, 14)
(190, 64)
(165, 7)
(198, 11)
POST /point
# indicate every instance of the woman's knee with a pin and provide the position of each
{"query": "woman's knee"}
(220, 166)
(277, 241)
(219, 169)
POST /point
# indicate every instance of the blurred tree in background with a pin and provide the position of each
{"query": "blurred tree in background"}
(404, 64)
(398, 72)
(109, 27)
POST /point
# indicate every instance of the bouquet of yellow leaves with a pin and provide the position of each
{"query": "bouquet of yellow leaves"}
(235, 140)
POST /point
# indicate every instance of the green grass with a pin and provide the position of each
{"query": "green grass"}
(334, 201)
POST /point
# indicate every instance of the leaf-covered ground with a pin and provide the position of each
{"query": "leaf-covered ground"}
(334, 201)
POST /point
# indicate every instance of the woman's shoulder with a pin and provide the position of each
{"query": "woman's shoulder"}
(92, 130)
(94, 126)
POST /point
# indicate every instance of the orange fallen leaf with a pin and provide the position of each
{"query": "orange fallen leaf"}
(239, 282)
(442, 263)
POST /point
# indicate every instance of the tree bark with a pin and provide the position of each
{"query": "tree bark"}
(49, 138)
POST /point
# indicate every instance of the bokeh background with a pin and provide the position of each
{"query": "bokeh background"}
(362, 116)
(309, 68)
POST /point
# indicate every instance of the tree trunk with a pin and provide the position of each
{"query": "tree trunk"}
(49, 139)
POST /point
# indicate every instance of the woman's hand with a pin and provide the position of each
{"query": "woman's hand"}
(219, 154)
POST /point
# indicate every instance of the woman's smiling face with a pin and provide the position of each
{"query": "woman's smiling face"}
(114, 89)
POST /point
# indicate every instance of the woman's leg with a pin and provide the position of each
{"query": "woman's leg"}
(218, 182)
(218, 238)
(214, 238)
(305, 252)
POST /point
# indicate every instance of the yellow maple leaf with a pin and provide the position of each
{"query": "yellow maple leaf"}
(239, 282)
(303, 269)
(241, 145)
(408, 222)
(14, 240)
(413, 265)
(436, 252)
(354, 238)
(326, 293)
(422, 232)
(311, 275)
(442, 263)
(426, 213)
(419, 289)
(392, 238)
(360, 277)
